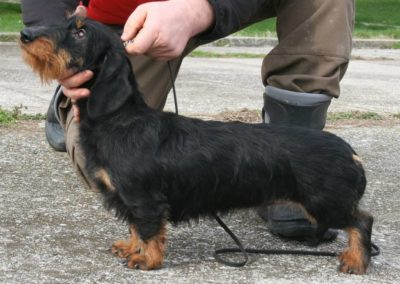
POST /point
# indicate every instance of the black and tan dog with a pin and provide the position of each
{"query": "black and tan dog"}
(153, 167)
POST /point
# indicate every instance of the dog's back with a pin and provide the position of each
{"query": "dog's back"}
(207, 166)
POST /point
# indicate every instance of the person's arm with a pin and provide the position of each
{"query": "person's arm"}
(234, 15)
(163, 29)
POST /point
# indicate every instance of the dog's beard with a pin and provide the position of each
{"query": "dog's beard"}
(43, 59)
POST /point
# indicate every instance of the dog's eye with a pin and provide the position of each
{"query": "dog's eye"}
(80, 33)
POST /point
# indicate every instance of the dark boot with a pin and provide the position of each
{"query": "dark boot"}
(303, 110)
(54, 132)
(294, 108)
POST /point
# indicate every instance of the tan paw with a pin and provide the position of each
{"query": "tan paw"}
(124, 248)
(351, 262)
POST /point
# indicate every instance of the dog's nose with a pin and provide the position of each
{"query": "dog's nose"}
(26, 35)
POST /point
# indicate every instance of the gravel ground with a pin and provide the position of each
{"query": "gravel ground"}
(54, 230)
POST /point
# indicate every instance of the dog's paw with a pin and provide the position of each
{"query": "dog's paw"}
(139, 254)
(124, 248)
(141, 261)
(352, 262)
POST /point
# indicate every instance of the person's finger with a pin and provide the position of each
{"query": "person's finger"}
(76, 113)
(76, 80)
(76, 93)
(134, 23)
(67, 74)
(143, 41)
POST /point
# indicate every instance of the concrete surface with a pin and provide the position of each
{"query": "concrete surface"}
(53, 230)
(211, 85)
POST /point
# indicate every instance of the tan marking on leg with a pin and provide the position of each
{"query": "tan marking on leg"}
(139, 254)
(151, 255)
(125, 248)
(357, 159)
(143, 255)
(105, 178)
(352, 259)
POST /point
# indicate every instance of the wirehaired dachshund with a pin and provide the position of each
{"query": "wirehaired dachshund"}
(154, 167)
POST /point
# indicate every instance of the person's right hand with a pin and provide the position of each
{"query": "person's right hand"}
(70, 83)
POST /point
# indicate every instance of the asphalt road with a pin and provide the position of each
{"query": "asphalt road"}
(54, 230)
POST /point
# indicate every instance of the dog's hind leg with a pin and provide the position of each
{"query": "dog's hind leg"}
(356, 257)
(145, 255)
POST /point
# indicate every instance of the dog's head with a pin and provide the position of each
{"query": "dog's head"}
(79, 44)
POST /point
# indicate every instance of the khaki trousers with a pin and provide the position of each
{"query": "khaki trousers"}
(312, 56)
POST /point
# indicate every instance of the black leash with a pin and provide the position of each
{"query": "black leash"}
(246, 251)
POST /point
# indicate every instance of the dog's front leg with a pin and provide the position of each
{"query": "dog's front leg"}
(142, 254)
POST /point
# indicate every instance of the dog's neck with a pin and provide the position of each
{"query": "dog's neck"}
(113, 87)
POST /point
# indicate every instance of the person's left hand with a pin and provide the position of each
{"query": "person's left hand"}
(162, 29)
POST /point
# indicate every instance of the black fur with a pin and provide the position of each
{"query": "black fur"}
(167, 167)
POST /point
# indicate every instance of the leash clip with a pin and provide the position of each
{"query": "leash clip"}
(128, 42)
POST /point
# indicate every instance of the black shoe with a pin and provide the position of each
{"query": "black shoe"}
(303, 110)
(54, 132)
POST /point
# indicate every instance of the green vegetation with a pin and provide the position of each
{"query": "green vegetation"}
(377, 18)
(10, 17)
(9, 117)
(396, 46)
(261, 29)
(374, 19)
(6, 117)
(205, 54)
(335, 116)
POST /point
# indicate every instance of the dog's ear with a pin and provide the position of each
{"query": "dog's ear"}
(112, 87)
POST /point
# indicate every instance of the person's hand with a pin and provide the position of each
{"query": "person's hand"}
(71, 82)
(162, 29)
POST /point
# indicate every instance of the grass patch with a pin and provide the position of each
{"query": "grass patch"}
(397, 115)
(265, 28)
(396, 46)
(359, 115)
(6, 117)
(377, 18)
(10, 17)
(206, 54)
(9, 117)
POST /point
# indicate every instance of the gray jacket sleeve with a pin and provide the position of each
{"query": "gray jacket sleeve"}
(234, 15)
